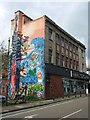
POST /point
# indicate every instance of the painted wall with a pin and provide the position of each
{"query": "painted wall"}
(26, 64)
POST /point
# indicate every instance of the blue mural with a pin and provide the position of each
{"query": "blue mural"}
(32, 64)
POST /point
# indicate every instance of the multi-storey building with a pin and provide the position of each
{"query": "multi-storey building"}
(43, 54)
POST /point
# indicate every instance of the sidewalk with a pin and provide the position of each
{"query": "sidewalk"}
(17, 107)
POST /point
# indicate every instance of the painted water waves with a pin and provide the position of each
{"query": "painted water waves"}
(32, 66)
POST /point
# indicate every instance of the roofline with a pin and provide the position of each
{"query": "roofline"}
(23, 14)
(66, 33)
(12, 19)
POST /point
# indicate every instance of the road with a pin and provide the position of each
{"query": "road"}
(75, 108)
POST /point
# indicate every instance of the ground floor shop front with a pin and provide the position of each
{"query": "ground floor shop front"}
(62, 82)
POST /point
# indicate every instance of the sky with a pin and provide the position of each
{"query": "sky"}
(71, 16)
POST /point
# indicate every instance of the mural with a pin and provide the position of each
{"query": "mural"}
(32, 65)
(26, 64)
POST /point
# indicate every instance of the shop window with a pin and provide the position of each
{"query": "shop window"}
(69, 86)
(66, 86)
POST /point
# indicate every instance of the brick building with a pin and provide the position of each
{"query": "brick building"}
(48, 56)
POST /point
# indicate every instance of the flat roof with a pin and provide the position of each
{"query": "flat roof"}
(62, 30)
(23, 14)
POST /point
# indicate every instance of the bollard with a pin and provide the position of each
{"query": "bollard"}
(75, 94)
(6, 95)
(80, 93)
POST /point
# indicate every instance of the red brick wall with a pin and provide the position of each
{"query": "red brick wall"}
(53, 88)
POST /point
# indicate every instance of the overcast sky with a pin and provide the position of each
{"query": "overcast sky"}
(71, 16)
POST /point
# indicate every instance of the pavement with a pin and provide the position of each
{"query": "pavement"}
(17, 107)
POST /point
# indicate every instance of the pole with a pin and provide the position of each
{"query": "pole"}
(6, 95)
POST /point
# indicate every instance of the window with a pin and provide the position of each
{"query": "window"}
(76, 50)
(82, 51)
(74, 56)
(57, 39)
(71, 63)
(66, 52)
(50, 56)
(77, 57)
(62, 60)
(57, 58)
(77, 66)
(66, 44)
(70, 46)
(82, 67)
(74, 64)
(24, 21)
(50, 34)
(57, 47)
(70, 54)
(66, 62)
(62, 41)
(62, 50)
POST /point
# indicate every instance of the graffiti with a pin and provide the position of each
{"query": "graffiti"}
(29, 67)
(32, 65)
(26, 64)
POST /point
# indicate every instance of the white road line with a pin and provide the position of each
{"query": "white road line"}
(26, 111)
(31, 116)
(72, 114)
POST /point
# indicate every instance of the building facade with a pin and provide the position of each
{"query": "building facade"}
(46, 58)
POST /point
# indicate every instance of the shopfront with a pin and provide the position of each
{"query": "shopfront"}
(73, 86)
(60, 82)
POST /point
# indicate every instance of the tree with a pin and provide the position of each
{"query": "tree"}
(3, 61)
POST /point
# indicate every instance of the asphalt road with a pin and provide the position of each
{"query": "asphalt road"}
(75, 108)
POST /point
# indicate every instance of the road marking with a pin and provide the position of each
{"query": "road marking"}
(38, 108)
(72, 114)
(31, 116)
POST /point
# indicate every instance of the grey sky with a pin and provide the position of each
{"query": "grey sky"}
(71, 16)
